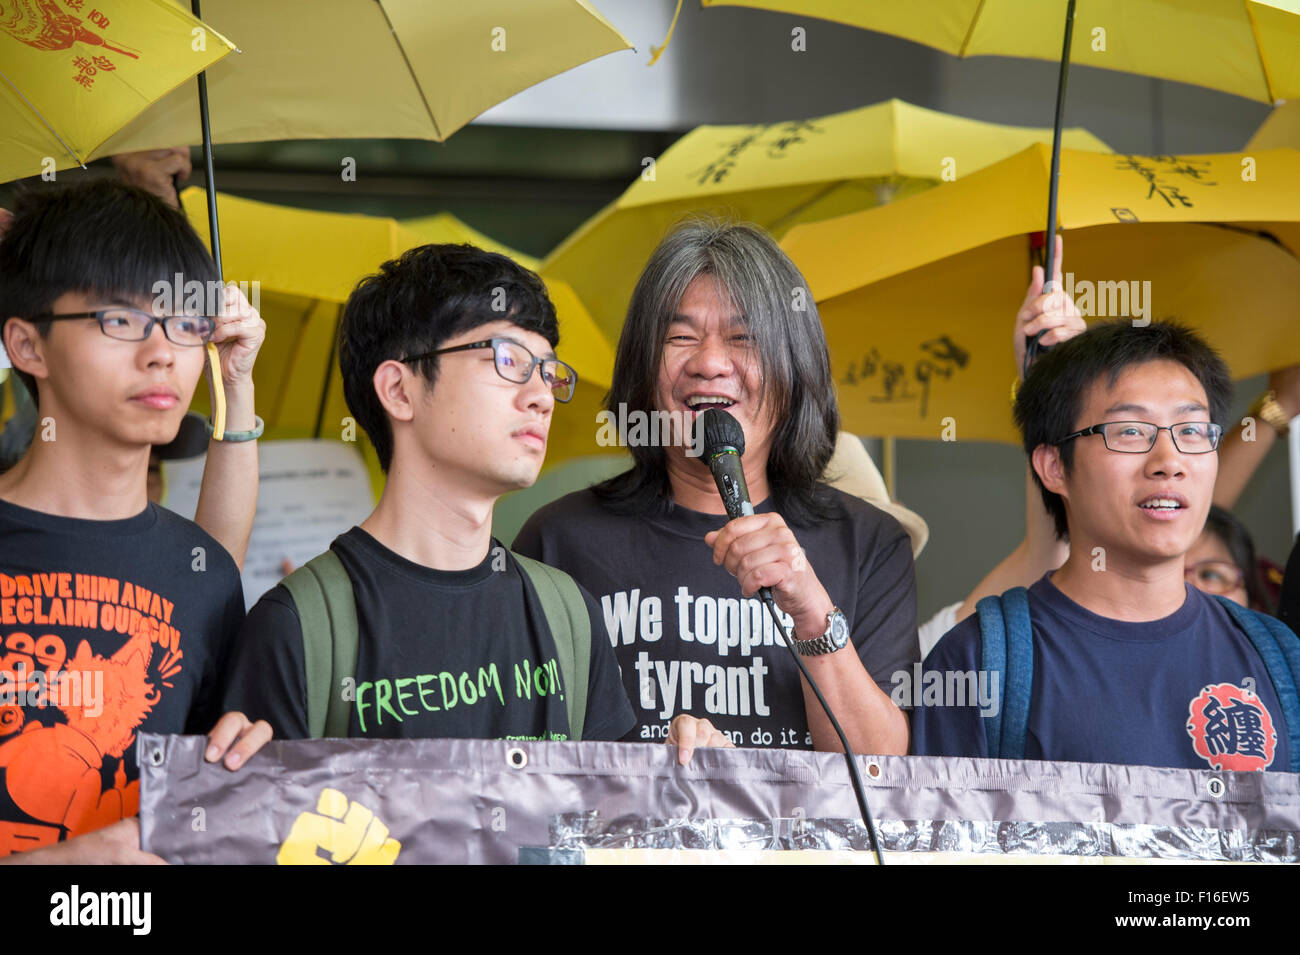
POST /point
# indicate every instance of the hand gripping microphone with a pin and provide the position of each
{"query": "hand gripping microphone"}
(724, 443)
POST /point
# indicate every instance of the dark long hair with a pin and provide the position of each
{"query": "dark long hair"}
(765, 288)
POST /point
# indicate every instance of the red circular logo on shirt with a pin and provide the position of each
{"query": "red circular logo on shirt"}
(1231, 729)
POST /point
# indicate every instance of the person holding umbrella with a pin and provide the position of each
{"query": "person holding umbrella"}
(116, 615)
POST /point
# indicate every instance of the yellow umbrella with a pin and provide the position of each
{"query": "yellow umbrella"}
(917, 296)
(1246, 47)
(306, 263)
(74, 74)
(405, 69)
(1280, 129)
(779, 175)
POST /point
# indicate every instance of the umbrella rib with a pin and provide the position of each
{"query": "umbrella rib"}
(971, 29)
(1259, 52)
(53, 132)
(405, 59)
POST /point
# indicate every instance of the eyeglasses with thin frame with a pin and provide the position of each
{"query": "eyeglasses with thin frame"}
(134, 325)
(1139, 437)
(1214, 576)
(515, 363)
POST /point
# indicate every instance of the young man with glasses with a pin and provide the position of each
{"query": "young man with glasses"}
(116, 616)
(448, 363)
(1127, 662)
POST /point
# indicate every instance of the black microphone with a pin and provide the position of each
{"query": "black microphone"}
(724, 443)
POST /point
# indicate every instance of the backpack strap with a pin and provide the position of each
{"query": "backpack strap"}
(1007, 649)
(1279, 648)
(322, 593)
(566, 615)
(993, 661)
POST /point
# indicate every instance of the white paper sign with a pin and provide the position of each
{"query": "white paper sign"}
(309, 492)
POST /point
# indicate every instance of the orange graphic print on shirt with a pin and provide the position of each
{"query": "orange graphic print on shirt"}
(63, 722)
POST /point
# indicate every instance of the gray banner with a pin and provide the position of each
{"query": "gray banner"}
(435, 801)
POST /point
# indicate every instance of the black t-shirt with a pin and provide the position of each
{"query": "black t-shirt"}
(687, 642)
(440, 654)
(107, 629)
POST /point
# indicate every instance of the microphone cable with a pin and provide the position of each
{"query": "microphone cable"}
(859, 791)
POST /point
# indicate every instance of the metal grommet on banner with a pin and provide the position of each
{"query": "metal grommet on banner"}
(1215, 787)
(873, 770)
(516, 757)
(156, 755)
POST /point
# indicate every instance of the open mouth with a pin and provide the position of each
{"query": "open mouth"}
(701, 402)
(1163, 504)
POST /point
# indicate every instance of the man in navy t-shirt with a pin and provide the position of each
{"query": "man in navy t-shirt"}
(1130, 663)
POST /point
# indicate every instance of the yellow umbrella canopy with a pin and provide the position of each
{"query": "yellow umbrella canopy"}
(306, 263)
(1281, 129)
(779, 175)
(70, 78)
(1246, 47)
(395, 68)
(917, 297)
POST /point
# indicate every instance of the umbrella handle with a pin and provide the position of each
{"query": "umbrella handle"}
(217, 392)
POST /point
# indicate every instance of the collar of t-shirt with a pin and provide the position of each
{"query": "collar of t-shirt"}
(683, 522)
(1073, 616)
(367, 549)
(140, 523)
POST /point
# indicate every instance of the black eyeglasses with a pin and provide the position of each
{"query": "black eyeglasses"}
(1139, 437)
(515, 363)
(133, 325)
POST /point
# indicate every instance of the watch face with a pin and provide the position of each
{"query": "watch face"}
(839, 629)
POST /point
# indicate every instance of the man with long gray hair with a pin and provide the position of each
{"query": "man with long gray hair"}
(721, 318)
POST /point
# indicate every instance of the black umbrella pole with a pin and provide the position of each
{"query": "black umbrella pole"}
(1032, 347)
(214, 231)
(1049, 266)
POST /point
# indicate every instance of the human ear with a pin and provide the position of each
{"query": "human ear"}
(25, 347)
(1047, 463)
(395, 386)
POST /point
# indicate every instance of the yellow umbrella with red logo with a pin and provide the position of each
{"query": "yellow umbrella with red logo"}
(73, 73)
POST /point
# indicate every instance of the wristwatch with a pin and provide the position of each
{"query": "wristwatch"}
(1267, 408)
(835, 638)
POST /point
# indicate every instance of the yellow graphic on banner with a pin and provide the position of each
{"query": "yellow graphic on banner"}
(349, 832)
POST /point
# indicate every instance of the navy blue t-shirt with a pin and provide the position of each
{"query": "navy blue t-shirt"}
(1188, 690)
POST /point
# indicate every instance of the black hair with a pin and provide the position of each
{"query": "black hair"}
(101, 238)
(769, 292)
(1224, 525)
(1049, 403)
(419, 300)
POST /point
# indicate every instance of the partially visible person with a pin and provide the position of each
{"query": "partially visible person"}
(117, 617)
(160, 171)
(1054, 315)
(1245, 447)
(1124, 661)
(1223, 562)
(1288, 601)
